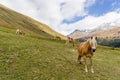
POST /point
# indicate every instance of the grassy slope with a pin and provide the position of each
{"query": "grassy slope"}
(12, 19)
(30, 57)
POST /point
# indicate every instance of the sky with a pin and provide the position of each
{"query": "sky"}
(64, 16)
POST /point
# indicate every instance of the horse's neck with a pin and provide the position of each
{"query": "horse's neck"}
(88, 44)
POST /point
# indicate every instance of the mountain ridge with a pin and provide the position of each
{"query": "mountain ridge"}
(101, 32)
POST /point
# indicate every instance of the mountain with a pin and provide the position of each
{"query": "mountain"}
(12, 19)
(108, 37)
(79, 33)
(106, 30)
(107, 34)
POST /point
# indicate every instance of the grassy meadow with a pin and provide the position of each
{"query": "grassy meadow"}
(31, 57)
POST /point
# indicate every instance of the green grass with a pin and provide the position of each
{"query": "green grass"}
(31, 57)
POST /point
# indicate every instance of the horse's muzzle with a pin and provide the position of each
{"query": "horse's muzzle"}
(93, 50)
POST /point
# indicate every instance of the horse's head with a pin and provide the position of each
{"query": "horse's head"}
(93, 43)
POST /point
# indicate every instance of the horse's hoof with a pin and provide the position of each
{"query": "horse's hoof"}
(92, 71)
(86, 70)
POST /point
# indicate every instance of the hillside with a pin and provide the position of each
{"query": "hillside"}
(108, 33)
(14, 20)
(31, 57)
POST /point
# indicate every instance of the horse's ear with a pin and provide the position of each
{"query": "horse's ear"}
(91, 37)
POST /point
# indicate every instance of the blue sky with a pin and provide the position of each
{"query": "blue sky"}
(64, 16)
(102, 7)
(73, 20)
(99, 8)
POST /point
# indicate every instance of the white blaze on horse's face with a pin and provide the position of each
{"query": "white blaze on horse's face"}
(93, 43)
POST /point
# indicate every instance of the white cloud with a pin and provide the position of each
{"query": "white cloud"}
(91, 22)
(53, 12)
(72, 8)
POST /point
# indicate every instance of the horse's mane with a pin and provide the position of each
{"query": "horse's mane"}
(88, 40)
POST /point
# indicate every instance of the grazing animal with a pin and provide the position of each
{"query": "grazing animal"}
(20, 32)
(86, 49)
(70, 40)
(57, 37)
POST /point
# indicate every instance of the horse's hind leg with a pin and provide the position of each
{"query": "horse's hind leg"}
(79, 59)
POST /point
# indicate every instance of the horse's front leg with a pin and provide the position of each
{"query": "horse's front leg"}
(91, 64)
(85, 63)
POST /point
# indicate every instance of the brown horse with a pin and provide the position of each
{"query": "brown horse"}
(20, 32)
(57, 37)
(86, 49)
(70, 40)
